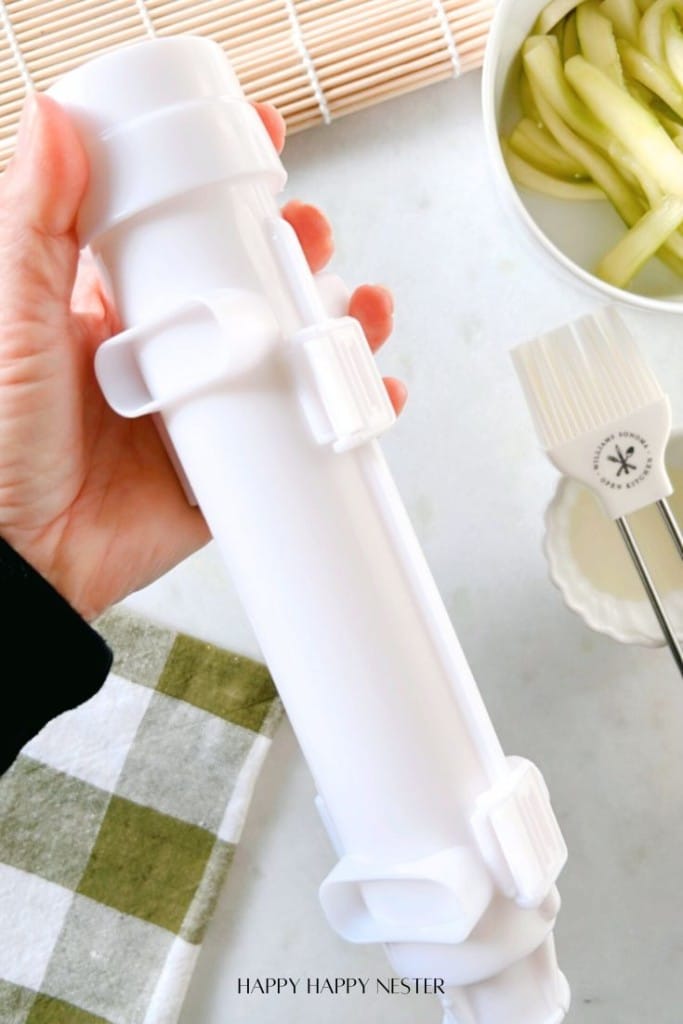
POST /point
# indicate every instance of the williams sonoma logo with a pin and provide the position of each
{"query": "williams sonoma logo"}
(622, 460)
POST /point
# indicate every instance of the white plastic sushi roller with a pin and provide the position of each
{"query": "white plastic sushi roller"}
(448, 851)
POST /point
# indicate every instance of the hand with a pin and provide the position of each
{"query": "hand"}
(86, 497)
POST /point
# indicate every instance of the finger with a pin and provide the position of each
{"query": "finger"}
(49, 172)
(313, 231)
(274, 122)
(398, 393)
(40, 195)
(373, 306)
(91, 304)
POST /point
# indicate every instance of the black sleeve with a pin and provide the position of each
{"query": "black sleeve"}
(51, 660)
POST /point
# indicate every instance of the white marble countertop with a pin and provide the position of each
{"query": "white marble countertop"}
(412, 200)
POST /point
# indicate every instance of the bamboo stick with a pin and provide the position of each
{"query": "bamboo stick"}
(86, 37)
(20, 14)
(358, 53)
(257, 28)
(33, 30)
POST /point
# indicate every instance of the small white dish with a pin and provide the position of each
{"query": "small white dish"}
(574, 234)
(591, 567)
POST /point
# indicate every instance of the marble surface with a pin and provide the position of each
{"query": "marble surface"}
(414, 205)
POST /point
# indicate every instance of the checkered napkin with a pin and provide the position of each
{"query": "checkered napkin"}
(118, 823)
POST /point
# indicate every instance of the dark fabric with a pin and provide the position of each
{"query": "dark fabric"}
(51, 659)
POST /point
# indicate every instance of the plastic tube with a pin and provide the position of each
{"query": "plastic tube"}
(449, 851)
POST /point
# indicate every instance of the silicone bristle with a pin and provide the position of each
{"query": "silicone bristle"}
(583, 376)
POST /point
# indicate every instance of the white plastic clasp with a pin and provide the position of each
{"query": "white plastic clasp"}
(438, 898)
(519, 836)
(209, 339)
(341, 389)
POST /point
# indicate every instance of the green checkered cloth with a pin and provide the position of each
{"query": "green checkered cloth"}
(118, 824)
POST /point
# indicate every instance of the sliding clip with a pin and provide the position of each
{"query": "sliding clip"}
(341, 390)
(518, 835)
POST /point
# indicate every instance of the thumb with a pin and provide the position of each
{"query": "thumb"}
(40, 195)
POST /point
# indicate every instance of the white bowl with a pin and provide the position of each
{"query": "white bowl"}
(575, 234)
(590, 566)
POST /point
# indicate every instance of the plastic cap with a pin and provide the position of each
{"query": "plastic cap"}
(132, 81)
(159, 120)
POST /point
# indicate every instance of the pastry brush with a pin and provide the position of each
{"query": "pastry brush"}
(604, 420)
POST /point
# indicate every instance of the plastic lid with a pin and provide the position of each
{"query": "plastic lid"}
(158, 120)
(135, 80)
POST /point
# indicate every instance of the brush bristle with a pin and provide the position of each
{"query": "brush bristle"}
(583, 376)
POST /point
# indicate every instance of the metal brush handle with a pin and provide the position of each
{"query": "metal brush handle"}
(671, 525)
(651, 590)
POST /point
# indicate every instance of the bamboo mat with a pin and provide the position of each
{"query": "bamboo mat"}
(314, 59)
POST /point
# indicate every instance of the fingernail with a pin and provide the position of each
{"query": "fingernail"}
(27, 123)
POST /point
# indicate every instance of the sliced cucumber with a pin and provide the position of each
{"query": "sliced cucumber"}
(597, 41)
(651, 29)
(554, 12)
(627, 204)
(656, 79)
(648, 235)
(636, 128)
(673, 45)
(544, 70)
(625, 16)
(570, 43)
(672, 125)
(528, 176)
(537, 146)
(650, 35)
(526, 100)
